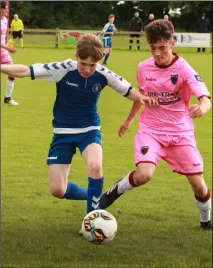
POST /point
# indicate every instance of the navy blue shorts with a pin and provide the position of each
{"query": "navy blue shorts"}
(107, 42)
(63, 146)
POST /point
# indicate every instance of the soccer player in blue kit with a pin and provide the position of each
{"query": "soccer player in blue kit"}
(108, 30)
(76, 122)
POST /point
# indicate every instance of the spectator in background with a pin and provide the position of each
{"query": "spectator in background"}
(203, 27)
(17, 28)
(135, 25)
(166, 17)
(150, 19)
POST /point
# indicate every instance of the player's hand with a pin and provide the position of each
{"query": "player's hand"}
(148, 101)
(124, 127)
(12, 49)
(195, 111)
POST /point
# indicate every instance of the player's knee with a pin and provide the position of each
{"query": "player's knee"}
(200, 190)
(57, 190)
(142, 177)
(95, 169)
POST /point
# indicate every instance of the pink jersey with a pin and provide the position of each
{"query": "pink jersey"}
(172, 86)
(5, 57)
(4, 23)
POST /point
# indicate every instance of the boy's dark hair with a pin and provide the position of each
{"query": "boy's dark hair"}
(3, 4)
(89, 45)
(111, 16)
(159, 30)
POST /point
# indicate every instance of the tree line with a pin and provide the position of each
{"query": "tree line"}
(93, 14)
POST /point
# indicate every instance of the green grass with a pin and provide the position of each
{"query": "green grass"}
(158, 224)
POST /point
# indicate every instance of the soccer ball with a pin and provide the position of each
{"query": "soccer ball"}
(99, 226)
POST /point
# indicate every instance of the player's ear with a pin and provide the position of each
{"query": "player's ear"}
(173, 42)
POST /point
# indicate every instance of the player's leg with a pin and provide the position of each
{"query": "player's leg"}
(6, 59)
(91, 148)
(138, 41)
(203, 49)
(202, 199)
(130, 42)
(20, 36)
(198, 49)
(107, 53)
(59, 158)
(148, 152)
(105, 49)
(184, 158)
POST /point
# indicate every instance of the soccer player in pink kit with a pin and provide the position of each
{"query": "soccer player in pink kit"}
(5, 57)
(166, 131)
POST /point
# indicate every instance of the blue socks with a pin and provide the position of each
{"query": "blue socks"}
(92, 194)
(106, 58)
(94, 191)
(75, 192)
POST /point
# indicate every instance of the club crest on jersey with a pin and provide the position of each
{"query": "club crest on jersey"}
(174, 79)
(96, 88)
(144, 149)
(198, 78)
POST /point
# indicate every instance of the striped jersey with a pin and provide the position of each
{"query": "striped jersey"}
(109, 28)
(75, 107)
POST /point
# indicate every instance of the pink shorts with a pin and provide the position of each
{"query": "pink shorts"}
(5, 57)
(180, 152)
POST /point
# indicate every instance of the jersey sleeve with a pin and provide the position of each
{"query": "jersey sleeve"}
(105, 28)
(12, 25)
(140, 80)
(53, 71)
(116, 82)
(22, 25)
(195, 83)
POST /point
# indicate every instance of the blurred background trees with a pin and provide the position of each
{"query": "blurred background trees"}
(93, 14)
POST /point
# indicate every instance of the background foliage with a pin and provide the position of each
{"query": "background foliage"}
(93, 14)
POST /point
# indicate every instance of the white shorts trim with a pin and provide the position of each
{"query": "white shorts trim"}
(74, 130)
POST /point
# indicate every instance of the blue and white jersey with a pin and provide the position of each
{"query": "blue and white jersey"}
(75, 107)
(109, 28)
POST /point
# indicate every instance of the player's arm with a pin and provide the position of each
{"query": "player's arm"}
(128, 121)
(16, 70)
(105, 28)
(10, 49)
(12, 26)
(53, 71)
(123, 87)
(22, 26)
(199, 90)
(197, 110)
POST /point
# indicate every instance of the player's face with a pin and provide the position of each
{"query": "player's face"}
(111, 20)
(4, 11)
(86, 67)
(162, 52)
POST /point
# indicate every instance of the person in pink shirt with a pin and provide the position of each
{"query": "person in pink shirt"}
(5, 57)
(166, 131)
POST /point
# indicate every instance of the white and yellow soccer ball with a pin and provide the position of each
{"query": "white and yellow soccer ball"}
(99, 227)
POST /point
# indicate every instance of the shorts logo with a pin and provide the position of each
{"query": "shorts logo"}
(96, 88)
(196, 164)
(174, 79)
(198, 78)
(144, 149)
